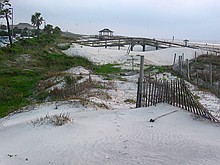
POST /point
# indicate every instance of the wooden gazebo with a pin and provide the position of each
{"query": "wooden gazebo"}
(106, 33)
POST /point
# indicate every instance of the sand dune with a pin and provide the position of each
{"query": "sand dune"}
(111, 137)
(120, 135)
(156, 57)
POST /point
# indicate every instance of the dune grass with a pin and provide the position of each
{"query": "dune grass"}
(21, 69)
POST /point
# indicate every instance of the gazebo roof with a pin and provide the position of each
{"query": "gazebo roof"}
(106, 30)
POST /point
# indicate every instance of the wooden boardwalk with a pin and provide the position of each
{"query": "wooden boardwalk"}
(119, 41)
(132, 41)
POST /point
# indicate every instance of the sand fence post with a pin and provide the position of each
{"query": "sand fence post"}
(174, 61)
(140, 83)
(188, 70)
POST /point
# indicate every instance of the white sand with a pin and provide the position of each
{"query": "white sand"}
(110, 137)
(118, 136)
(97, 136)
(156, 57)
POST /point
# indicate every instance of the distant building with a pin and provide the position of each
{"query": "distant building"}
(105, 33)
(23, 26)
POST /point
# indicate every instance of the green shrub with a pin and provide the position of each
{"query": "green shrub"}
(11, 50)
(130, 101)
(64, 46)
(106, 69)
(19, 79)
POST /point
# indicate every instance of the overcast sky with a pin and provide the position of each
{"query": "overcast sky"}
(191, 19)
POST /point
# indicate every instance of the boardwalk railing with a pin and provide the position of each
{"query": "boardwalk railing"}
(174, 92)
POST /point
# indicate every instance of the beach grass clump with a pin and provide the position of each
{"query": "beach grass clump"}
(55, 120)
(107, 69)
(64, 46)
(131, 101)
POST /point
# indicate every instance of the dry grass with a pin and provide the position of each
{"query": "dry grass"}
(98, 105)
(99, 94)
(55, 120)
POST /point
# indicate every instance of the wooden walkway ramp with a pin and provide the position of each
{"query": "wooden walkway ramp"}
(132, 41)
(119, 41)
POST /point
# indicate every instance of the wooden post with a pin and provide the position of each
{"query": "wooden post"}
(182, 57)
(210, 73)
(167, 100)
(146, 92)
(188, 71)
(180, 66)
(119, 44)
(178, 92)
(155, 92)
(156, 45)
(129, 49)
(144, 89)
(149, 93)
(173, 92)
(219, 87)
(183, 86)
(143, 48)
(152, 94)
(140, 82)
(105, 43)
(206, 79)
(195, 57)
(132, 63)
(144, 45)
(174, 61)
(162, 91)
(132, 47)
(138, 94)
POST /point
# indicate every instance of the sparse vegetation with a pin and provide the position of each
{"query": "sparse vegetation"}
(202, 66)
(105, 85)
(22, 68)
(100, 94)
(132, 101)
(55, 120)
(204, 72)
(107, 69)
(64, 46)
(157, 69)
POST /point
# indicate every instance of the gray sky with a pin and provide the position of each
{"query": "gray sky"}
(191, 19)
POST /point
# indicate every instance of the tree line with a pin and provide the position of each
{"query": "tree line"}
(36, 20)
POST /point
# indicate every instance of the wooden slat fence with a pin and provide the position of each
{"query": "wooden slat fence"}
(174, 92)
